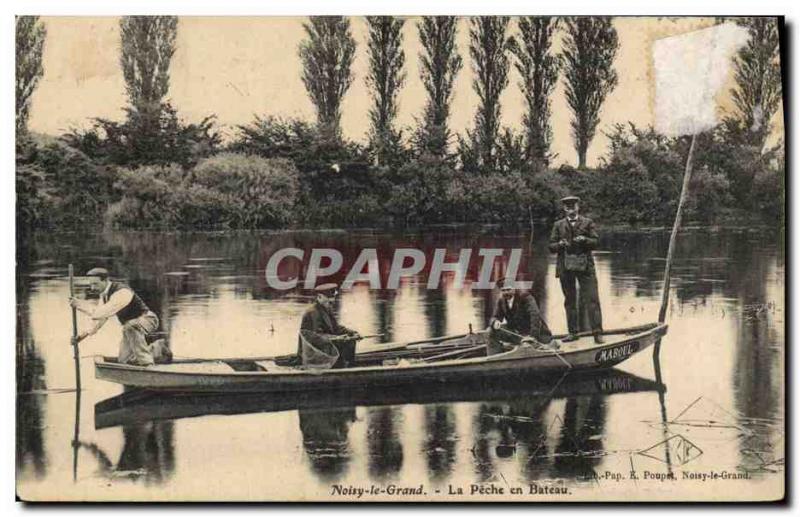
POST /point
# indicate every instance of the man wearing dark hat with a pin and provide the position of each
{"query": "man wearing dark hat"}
(320, 323)
(573, 238)
(516, 311)
(119, 300)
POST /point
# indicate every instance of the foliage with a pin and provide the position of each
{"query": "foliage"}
(30, 36)
(504, 198)
(226, 191)
(590, 45)
(147, 47)
(538, 69)
(143, 139)
(335, 176)
(385, 78)
(31, 188)
(327, 56)
(488, 48)
(757, 69)
(152, 133)
(420, 191)
(439, 65)
(58, 185)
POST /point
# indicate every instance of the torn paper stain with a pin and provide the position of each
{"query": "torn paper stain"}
(689, 71)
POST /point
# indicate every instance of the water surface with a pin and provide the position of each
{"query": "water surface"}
(715, 405)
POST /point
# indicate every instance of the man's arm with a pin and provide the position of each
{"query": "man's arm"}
(539, 328)
(93, 330)
(116, 303)
(499, 310)
(592, 239)
(556, 242)
(312, 322)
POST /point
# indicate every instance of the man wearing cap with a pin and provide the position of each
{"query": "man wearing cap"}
(573, 238)
(516, 311)
(320, 320)
(119, 300)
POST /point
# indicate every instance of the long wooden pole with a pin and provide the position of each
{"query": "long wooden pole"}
(662, 313)
(687, 176)
(75, 347)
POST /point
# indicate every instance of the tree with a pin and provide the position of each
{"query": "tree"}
(30, 36)
(327, 56)
(385, 78)
(538, 69)
(487, 48)
(148, 44)
(440, 63)
(757, 69)
(152, 132)
(590, 45)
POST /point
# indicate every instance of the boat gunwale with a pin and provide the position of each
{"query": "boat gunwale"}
(101, 363)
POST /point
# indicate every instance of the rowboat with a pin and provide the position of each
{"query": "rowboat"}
(441, 360)
(137, 406)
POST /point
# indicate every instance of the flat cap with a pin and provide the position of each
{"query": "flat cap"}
(570, 199)
(326, 288)
(505, 283)
(97, 271)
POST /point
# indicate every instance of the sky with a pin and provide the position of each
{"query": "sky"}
(240, 67)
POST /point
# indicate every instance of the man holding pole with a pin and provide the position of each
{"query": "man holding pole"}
(573, 238)
(119, 300)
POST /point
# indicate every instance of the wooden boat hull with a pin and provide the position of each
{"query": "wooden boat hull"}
(189, 376)
(137, 406)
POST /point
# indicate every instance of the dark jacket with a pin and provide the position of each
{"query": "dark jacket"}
(563, 230)
(523, 317)
(321, 321)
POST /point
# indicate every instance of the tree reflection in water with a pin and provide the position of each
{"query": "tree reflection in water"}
(325, 440)
(383, 442)
(440, 441)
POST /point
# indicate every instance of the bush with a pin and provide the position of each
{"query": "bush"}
(225, 191)
(147, 140)
(338, 185)
(768, 195)
(59, 186)
(499, 197)
(422, 191)
(259, 192)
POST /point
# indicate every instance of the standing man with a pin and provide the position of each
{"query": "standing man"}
(119, 300)
(573, 238)
(322, 328)
(518, 312)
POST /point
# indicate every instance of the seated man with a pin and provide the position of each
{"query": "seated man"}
(516, 319)
(119, 300)
(320, 324)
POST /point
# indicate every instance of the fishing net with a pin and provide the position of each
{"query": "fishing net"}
(318, 353)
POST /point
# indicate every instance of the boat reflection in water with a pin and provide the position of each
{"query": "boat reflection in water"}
(510, 420)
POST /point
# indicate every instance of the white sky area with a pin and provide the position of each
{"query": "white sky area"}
(690, 72)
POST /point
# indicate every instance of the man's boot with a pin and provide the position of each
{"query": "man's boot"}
(598, 338)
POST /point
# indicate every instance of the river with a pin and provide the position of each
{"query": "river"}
(715, 405)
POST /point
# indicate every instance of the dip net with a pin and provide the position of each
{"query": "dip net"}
(318, 353)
